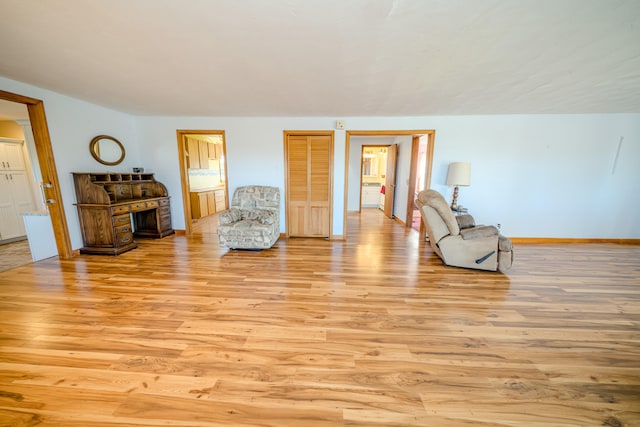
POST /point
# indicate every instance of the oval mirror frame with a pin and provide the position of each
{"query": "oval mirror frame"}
(114, 145)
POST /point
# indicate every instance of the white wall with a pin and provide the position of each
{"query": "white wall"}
(537, 175)
(546, 175)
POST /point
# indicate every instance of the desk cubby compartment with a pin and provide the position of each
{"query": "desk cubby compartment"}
(99, 177)
(115, 177)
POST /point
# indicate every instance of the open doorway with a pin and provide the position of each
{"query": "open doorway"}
(40, 164)
(373, 176)
(203, 172)
(378, 181)
(407, 142)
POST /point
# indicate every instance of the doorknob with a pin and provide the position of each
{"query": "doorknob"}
(51, 201)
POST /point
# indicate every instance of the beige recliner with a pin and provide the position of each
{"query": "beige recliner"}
(458, 241)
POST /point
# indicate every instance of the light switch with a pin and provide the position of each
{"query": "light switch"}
(340, 124)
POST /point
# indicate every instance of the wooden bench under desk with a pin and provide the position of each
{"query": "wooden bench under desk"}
(113, 210)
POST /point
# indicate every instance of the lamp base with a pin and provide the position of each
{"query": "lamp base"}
(454, 201)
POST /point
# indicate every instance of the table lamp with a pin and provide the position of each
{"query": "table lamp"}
(459, 174)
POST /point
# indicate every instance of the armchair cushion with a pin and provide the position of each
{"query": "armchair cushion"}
(230, 216)
(263, 216)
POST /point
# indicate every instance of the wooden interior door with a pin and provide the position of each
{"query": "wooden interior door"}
(309, 184)
(390, 180)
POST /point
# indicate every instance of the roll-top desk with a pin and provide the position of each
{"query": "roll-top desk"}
(107, 203)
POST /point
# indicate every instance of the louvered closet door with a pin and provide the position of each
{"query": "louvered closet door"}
(297, 184)
(309, 185)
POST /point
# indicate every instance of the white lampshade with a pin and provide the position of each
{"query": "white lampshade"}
(459, 174)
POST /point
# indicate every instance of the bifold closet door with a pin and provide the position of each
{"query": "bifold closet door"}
(309, 159)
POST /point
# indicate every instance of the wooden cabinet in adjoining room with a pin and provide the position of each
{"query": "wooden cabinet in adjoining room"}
(193, 153)
(309, 160)
(207, 202)
(201, 153)
(215, 151)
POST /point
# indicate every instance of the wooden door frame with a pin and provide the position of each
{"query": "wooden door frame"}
(415, 147)
(184, 180)
(44, 151)
(390, 181)
(286, 134)
(349, 133)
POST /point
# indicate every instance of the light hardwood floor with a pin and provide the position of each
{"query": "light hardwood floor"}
(373, 331)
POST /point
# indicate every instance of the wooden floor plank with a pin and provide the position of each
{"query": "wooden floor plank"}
(370, 331)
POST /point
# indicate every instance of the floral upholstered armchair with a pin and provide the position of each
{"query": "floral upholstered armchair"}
(458, 241)
(253, 221)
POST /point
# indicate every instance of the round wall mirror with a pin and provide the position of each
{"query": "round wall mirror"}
(107, 150)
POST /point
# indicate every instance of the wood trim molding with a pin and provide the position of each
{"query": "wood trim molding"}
(310, 132)
(554, 240)
(44, 151)
(431, 144)
(184, 182)
(413, 172)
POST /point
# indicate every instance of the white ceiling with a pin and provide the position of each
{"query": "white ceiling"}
(329, 57)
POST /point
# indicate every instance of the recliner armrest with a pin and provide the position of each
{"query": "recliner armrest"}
(465, 221)
(478, 232)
